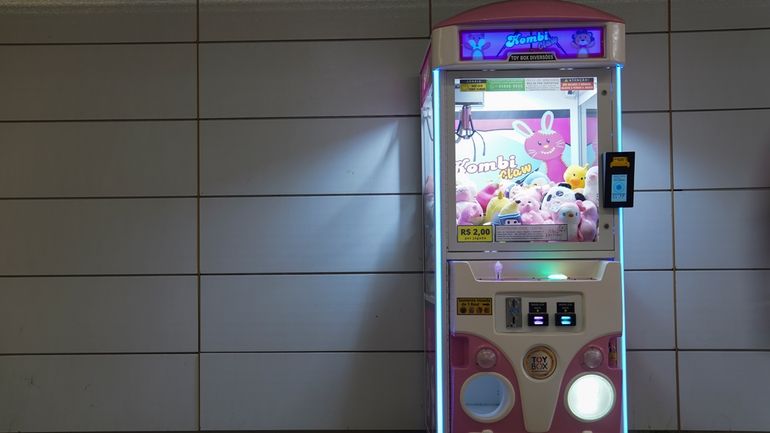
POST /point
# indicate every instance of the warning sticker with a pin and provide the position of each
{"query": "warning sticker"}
(578, 83)
(474, 234)
(474, 306)
(526, 233)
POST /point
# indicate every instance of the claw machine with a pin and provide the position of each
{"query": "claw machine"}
(524, 185)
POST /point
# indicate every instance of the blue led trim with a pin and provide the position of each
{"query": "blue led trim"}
(439, 295)
(619, 132)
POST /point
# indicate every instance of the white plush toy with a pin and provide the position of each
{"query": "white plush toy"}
(591, 190)
(569, 214)
(557, 196)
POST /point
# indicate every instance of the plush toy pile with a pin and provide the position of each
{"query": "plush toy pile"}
(537, 200)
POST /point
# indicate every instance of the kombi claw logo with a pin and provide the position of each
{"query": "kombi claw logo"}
(506, 167)
(539, 40)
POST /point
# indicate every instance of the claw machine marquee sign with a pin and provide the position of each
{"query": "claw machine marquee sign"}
(536, 45)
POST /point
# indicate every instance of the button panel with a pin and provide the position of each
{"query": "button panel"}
(538, 312)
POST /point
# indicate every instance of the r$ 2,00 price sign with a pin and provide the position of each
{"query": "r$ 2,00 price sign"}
(474, 234)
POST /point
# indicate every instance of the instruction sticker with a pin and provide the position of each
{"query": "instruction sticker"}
(474, 306)
(474, 234)
(542, 83)
(506, 85)
(527, 233)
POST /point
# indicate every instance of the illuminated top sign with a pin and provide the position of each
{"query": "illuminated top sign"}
(516, 44)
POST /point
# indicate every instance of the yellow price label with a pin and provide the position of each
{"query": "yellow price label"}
(474, 234)
(473, 87)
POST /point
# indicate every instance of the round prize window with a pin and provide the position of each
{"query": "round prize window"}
(487, 397)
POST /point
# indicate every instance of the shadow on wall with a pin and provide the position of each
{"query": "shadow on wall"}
(403, 146)
(765, 206)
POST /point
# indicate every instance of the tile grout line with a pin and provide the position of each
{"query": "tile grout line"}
(221, 352)
(220, 196)
(327, 274)
(673, 220)
(329, 117)
(320, 40)
(212, 42)
(430, 19)
(337, 351)
(322, 195)
(235, 274)
(236, 117)
(198, 201)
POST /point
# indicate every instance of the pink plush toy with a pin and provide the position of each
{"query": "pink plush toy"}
(464, 193)
(569, 214)
(464, 196)
(545, 145)
(529, 207)
(486, 194)
(471, 215)
(589, 219)
(531, 214)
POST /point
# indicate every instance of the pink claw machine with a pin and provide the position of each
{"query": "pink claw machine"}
(524, 185)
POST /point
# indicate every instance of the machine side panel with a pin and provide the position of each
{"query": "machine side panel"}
(429, 242)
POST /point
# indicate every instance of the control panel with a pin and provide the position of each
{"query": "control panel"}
(536, 312)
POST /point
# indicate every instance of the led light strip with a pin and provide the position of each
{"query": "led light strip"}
(438, 253)
(619, 132)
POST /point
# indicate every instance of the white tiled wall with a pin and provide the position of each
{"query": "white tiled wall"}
(385, 308)
(92, 392)
(98, 159)
(724, 391)
(274, 79)
(209, 213)
(703, 79)
(84, 82)
(312, 391)
(652, 390)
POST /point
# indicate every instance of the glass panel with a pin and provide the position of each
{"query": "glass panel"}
(428, 187)
(526, 159)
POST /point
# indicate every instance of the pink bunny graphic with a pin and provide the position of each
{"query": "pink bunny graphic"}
(545, 145)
